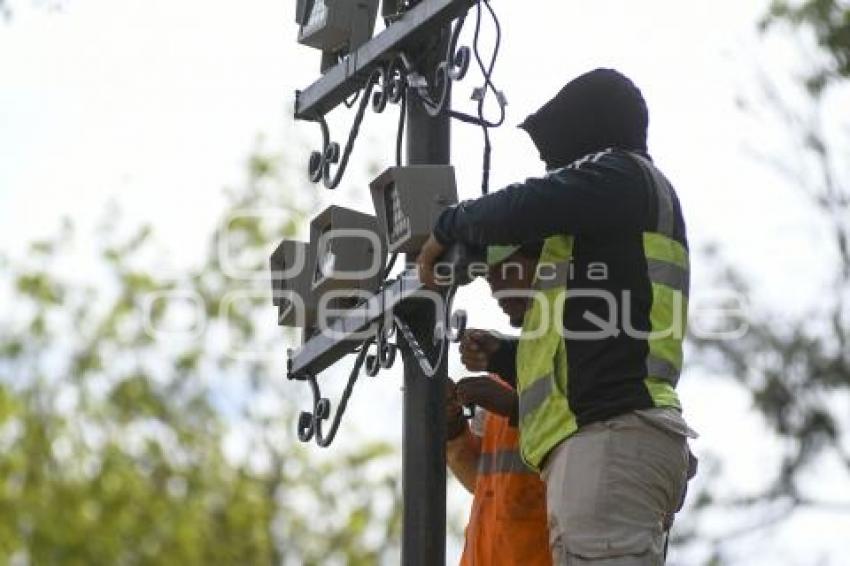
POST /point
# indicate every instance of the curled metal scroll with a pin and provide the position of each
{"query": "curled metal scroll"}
(330, 155)
(390, 81)
(310, 423)
(385, 352)
(453, 68)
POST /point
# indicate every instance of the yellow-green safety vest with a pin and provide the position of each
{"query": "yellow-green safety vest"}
(542, 376)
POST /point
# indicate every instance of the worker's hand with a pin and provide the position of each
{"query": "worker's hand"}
(428, 256)
(476, 347)
(455, 423)
(491, 393)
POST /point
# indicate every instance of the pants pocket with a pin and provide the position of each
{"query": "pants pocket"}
(619, 481)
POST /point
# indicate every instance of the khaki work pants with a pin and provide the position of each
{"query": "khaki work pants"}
(610, 486)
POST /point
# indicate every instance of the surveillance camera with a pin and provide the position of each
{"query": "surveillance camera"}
(408, 201)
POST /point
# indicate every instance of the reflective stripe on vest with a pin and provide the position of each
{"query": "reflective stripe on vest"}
(502, 462)
(669, 273)
(507, 524)
(534, 395)
(662, 369)
(545, 417)
(552, 275)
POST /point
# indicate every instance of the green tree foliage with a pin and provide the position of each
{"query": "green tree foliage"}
(114, 442)
(797, 367)
(829, 22)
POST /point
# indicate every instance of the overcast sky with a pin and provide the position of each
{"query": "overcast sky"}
(156, 105)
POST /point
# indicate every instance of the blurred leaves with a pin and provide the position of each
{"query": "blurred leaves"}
(829, 22)
(797, 367)
(116, 448)
(39, 287)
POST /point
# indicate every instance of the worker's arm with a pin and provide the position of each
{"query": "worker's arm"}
(490, 393)
(503, 360)
(599, 196)
(462, 446)
(462, 455)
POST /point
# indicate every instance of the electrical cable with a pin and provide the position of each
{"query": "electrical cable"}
(399, 139)
(488, 84)
(487, 70)
(480, 93)
(488, 76)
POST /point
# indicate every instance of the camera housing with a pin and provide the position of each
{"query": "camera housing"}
(349, 253)
(335, 27)
(408, 201)
(291, 267)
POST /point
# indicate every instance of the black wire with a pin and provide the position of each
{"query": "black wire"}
(485, 175)
(485, 181)
(495, 56)
(487, 72)
(463, 117)
(485, 166)
(399, 140)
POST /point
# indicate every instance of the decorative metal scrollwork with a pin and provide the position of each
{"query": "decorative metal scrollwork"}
(310, 423)
(453, 68)
(330, 155)
(392, 81)
(385, 352)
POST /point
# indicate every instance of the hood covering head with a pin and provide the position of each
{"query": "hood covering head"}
(593, 112)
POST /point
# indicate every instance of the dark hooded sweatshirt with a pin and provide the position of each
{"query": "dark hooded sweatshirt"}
(598, 194)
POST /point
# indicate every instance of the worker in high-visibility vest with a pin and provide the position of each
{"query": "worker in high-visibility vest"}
(507, 522)
(600, 352)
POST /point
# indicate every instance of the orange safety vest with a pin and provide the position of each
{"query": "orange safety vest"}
(507, 525)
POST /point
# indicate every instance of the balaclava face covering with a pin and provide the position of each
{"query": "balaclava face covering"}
(593, 112)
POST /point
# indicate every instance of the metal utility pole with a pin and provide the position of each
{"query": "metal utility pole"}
(424, 428)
